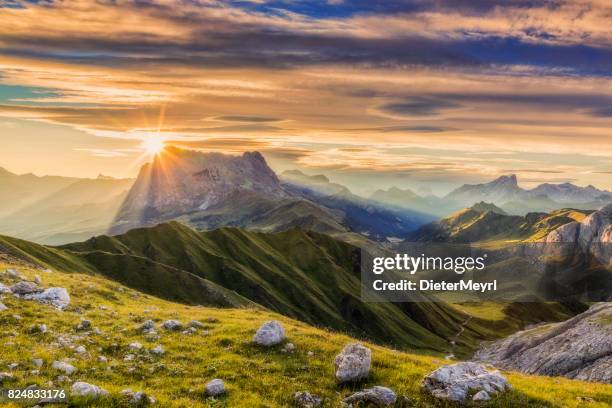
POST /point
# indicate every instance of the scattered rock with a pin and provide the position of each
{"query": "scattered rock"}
(13, 273)
(378, 396)
(38, 328)
(147, 326)
(212, 320)
(64, 367)
(57, 297)
(6, 377)
(289, 348)
(135, 346)
(37, 280)
(80, 350)
(2, 307)
(215, 387)
(12, 366)
(38, 362)
(481, 396)
(353, 363)
(455, 382)
(84, 325)
(269, 334)
(84, 389)
(24, 288)
(102, 359)
(138, 398)
(173, 325)
(304, 399)
(128, 357)
(195, 324)
(4, 289)
(159, 350)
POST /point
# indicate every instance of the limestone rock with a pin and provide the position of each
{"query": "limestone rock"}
(353, 363)
(159, 350)
(269, 334)
(139, 398)
(84, 325)
(57, 297)
(64, 367)
(215, 387)
(195, 324)
(378, 396)
(457, 381)
(24, 288)
(481, 396)
(6, 377)
(579, 348)
(304, 399)
(147, 326)
(172, 325)
(83, 389)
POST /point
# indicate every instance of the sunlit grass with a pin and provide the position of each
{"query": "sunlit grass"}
(254, 377)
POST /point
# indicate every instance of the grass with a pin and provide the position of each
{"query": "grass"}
(254, 376)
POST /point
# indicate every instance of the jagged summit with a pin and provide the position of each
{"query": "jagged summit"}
(180, 181)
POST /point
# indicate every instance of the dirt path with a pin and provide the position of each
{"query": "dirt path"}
(453, 341)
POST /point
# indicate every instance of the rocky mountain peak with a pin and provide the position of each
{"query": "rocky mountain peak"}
(509, 180)
(181, 181)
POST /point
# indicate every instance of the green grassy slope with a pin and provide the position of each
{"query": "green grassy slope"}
(255, 377)
(151, 277)
(305, 275)
(482, 224)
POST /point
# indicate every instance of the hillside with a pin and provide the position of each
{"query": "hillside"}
(305, 275)
(55, 210)
(486, 222)
(221, 348)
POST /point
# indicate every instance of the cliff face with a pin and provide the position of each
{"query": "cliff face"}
(578, 348)
(182, 181)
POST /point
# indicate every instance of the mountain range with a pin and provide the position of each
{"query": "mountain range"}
(54, 210)
(210, 190)
(503, 192)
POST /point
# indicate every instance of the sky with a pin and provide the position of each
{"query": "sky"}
(413, 93)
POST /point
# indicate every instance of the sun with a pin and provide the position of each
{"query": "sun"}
(153, 145)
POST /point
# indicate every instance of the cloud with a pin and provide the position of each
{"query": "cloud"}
(238, 118)
(417, 106)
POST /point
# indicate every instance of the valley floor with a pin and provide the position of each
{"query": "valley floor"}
(254, 377)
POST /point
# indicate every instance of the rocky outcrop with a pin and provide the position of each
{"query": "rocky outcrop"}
(353, 363)
(458, 382)
(579, 348)
(57, 297)
(181, 181)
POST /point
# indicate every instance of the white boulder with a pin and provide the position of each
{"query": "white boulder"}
(353, 363)
(457, 381)
(172, 325)
(64, 367)
(57, 297)
(269, 334)
(378, 396)
(83, 389)
(215, 387)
